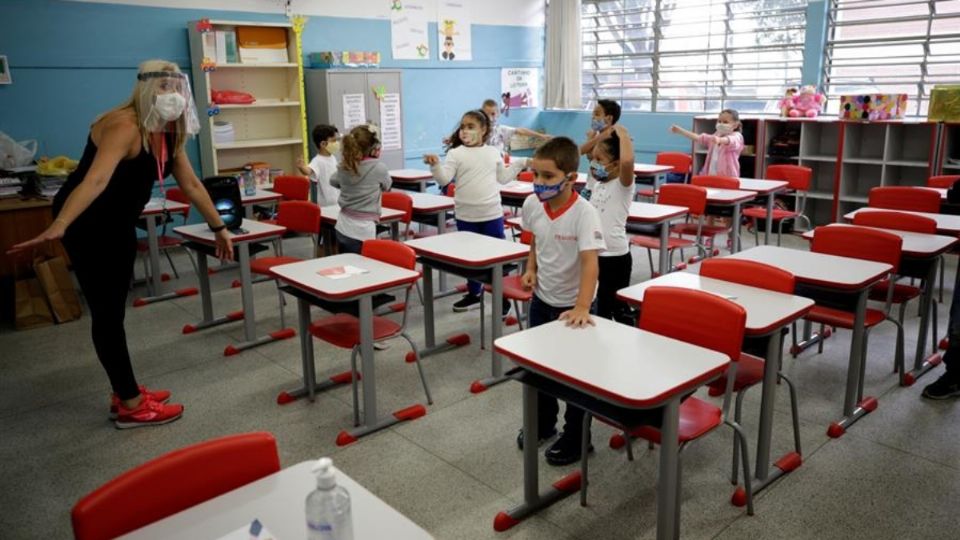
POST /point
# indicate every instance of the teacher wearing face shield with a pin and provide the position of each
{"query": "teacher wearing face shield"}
(96, 211)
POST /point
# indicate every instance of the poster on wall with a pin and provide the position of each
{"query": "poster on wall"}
(408, 30)
(454, 22)
(519, 88)
(391, 131)
(354, 111)
(4, 70)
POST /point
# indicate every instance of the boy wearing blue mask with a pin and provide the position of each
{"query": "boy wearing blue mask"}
(561, 270)
(605, 115)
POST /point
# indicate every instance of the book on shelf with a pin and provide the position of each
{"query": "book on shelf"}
(262, 45)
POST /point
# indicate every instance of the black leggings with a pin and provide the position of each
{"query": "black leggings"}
(614, 275)
(104, 268)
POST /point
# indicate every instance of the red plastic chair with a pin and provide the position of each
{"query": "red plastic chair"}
(702, 319)
(165, 241)
(943, 182)
(708, 232)
(301, 217)
(799, 183)
(750, 368)
(906, 198)
(681, 163)
(513, 291)
(172, 483)
(343, 329)
(525, 176)
(397, 200)
(869, 245)
(293, 188)
(694, 199)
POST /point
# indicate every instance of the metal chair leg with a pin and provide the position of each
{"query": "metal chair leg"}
(820, 342)
(483, 321)
(794, 411)
(738, 409)
(173, 267)
(584, 448)
(942, 271)
(353, 382)
(745, 455)
(416, 356)
(283, 317)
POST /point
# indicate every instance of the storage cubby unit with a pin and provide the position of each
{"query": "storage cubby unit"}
(950, 148)
(819, 141)
(864, 143)
(271, 130)
(898, 175)
(749, 164)
(910, 144)
(856, 180)
(822, 180)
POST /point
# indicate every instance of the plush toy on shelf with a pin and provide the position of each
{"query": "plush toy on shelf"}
(786, 103)
(807, 103)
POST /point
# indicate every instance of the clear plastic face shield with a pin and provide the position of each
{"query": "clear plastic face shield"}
(166, 103)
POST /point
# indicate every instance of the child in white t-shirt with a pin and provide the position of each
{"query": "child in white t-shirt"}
(562, 270)
(501, 134)
(323, 165)
(612, 188)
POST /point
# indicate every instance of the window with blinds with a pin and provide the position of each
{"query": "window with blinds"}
(887, 46)
(691, 55)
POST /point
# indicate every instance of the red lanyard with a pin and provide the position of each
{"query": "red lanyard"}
(161, 162)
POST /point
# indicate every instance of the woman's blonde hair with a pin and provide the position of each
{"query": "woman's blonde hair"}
(141, 109)
(357, 145)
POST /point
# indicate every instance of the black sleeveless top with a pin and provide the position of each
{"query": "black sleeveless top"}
(117, 209)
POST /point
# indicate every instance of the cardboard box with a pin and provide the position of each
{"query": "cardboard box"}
(873, 106)
(262, 45)
(944, 103)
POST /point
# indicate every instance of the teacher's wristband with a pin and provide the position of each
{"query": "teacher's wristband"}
(218, 228)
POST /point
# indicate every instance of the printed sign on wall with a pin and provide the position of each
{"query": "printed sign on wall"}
(408, 30)
(453, 23)
(519, 88)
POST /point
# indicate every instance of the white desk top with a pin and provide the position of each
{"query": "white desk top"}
(763, 187)
(518, 188)
(620, 364)
(330, 214)
(914, 244)
(380, 276)
(941, 191)
(430, 203)
(639, 212)
(260, 196)
(728, 196)
(651, 169)
(818, 268)
(402, 175)
(766, 310)
(469, 249)
(279, 501)
(158, 206)
(946, 223)
(200, 232)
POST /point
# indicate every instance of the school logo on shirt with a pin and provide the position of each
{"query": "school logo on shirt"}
(565, 237)
(597, 235)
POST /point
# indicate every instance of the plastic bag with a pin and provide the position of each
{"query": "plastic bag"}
(231, 97)
(16, 154)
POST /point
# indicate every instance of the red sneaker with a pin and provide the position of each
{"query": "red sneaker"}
(161, 396)
(147, 413)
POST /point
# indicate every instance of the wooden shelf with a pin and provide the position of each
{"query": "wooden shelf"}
(260, 104)
(863, 161)
(257, 143)
(782, 157)
(827, 159)
(256, 66)
(857, 199)
(908, 163)
(820, 195)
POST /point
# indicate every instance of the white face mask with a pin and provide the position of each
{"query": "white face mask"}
(724, 129)
(170, 106)
(333, 147)
(470, 137)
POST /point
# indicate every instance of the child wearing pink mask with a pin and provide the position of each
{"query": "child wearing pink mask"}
(723, 146)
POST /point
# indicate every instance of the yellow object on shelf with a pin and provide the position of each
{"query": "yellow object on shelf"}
(944, 103)
(58, 166)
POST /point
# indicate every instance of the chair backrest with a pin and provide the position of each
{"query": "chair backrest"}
(945, 181)
(750, 273)
(719, 182)
(299, 216)
(858, 243)
(174, 482)
(451, 190)
(695, 317)
(398, 200)
(526, 237)
(694, 198)
(896, 220)
(390, 252)
(525, 176)
(176, 194)
(293, 188)
(904, 198)
(681, 163)
(798, 176)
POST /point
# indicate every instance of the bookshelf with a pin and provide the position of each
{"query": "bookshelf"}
(949, 158)
(270, 130)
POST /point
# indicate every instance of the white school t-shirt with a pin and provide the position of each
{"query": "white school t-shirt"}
(612, 200)
(479, 172)
(559, 238)
(323, 168)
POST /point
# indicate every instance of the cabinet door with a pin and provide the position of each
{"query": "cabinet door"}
(340, 84)
(393, 158)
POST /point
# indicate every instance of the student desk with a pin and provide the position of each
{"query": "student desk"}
(948, 224)
(411, 179)
(251, 231)
(920, 254)
(472, 256)
(515, 192)
(279, 502)
(330, 214)
(155, 211)
(647, 170)
(433, 210)
(262, 196)
(733, 198)
(828, 274)
(768, 313)
(768, 188)
(307, 284)
(628, 369)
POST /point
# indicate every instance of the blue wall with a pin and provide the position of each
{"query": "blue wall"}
(71, 61)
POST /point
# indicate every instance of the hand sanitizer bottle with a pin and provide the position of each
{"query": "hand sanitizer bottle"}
(328, 506)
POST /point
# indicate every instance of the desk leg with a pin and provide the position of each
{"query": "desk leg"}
(924, 364)
(769, 227)
(765, 474)
(735, 229)
(310, 386)
(809, 338)
(664, 253)
(248, 211)
(429, 329)
(496, 330)
(371, 420)
(668, 483)
(441, 229)
(154, 283)
(206, 302)
(395, 231)
(250, 339)
(854, 405)
(533, 500)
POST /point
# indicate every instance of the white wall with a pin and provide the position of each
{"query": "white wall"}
(492, 12)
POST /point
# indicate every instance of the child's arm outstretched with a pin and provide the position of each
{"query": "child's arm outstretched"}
(680, 131)
(592, 141)
(531, 133)
(627, 177)
(443, 172)
(508, 173)
(579, 316)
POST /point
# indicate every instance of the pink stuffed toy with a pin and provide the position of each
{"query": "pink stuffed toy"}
(807, 103)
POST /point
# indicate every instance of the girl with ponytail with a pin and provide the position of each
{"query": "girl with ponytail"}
(361, 179)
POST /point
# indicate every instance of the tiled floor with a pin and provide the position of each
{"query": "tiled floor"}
(894, 475)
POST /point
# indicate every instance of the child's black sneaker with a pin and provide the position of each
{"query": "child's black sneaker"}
(945, 387)
(565, 450)
(467, 303)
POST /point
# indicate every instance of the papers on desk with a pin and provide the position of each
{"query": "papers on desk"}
(342, 272)
(253, 531)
